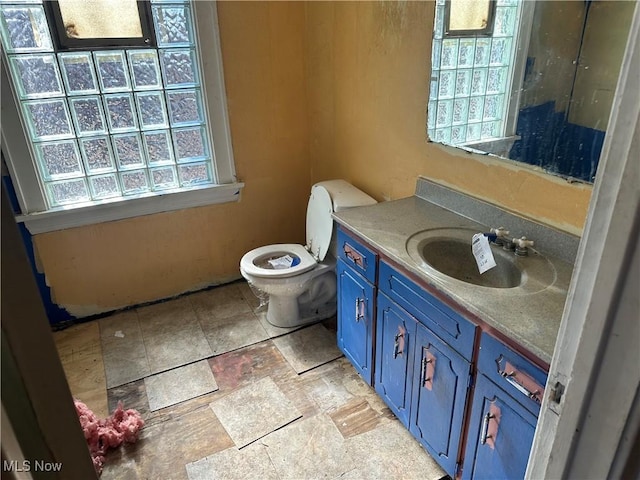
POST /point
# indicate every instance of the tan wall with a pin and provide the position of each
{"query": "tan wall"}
(112, 265)
(557, 40)
(605, 39)
(554, 45)
(368, 67)
(315, 91)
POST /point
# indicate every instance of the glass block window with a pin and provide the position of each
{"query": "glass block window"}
(471, 79)
(110, 123)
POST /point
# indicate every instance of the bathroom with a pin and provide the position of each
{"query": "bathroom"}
(315, 91)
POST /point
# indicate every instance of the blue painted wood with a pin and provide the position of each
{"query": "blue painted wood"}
(56, 315)
(394, 357)
(438, 398)
(355, 320)
(507, 458)
(447, 324)
(492, 360)
(365, 267)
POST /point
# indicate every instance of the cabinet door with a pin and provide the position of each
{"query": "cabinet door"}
(394, 357)
(355, 319)
(500, 435)
(440, 385)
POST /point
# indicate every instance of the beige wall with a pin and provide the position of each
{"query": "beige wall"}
(315, 91)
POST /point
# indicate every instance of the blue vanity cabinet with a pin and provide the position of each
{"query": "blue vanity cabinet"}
(506, 404)
(424, 358)
(394, 357)
(355, 319)
(356, 276)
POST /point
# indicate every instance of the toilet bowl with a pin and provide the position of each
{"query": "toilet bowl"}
(300, 280)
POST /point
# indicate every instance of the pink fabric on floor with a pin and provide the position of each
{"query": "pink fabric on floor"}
(122, 426)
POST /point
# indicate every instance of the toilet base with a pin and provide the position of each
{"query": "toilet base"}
(290, 308)
(304, 314)
(283, 311)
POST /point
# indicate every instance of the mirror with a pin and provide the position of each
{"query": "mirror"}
(537, 89)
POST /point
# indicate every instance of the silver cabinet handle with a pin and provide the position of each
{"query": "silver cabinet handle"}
(397, 348)
(428, 370)
(521, 381)
(360, 309)
(489, 432)
(485, 428)
(356, 257)
(510, 378)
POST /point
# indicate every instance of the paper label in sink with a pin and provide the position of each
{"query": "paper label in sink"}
(482, 252)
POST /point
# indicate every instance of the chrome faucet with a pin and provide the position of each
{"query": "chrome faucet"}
(522, 246)
(500, 236)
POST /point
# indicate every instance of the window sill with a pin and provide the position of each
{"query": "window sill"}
(80, 215)
(498, 146)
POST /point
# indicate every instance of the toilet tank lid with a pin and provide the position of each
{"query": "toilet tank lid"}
(344, 195)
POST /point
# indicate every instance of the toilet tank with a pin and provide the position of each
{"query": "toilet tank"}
(327, 197)
(344, 195)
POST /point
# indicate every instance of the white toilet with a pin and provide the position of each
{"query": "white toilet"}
(301, 280)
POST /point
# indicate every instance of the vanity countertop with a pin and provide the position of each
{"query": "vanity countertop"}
(529, 319)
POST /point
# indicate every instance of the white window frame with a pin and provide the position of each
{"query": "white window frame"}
(35, 213)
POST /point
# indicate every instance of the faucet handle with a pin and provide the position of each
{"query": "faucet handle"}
(522, 242)
(500, 232)
(501, 236)
(521, 245)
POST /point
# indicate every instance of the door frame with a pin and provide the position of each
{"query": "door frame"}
(594, 371)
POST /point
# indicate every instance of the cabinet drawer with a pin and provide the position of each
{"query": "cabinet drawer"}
(447, 324)
(512, 372)
(357, 256)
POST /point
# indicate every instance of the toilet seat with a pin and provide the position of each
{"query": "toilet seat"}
(252, 260)
(319, 222)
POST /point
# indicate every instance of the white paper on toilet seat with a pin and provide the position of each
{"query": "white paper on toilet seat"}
(281, 262)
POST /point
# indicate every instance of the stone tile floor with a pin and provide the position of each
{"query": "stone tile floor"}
(324, 422)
